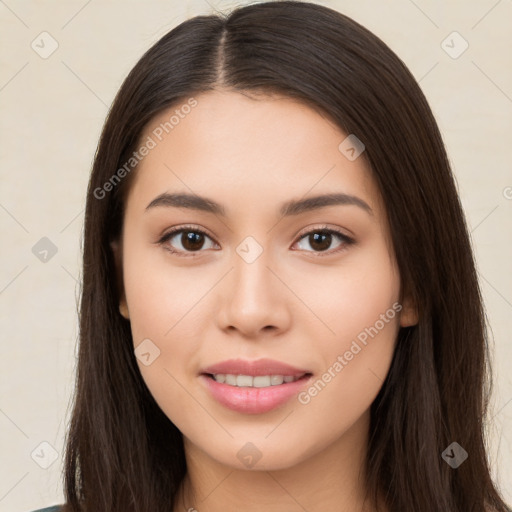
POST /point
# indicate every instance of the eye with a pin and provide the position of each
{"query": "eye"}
(188, 239)
(320, 240)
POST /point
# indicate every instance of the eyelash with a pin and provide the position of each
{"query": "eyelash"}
(346, 240)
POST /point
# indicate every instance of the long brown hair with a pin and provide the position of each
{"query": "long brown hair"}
(122, 453)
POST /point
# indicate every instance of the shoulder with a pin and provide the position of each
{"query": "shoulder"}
(55, 508)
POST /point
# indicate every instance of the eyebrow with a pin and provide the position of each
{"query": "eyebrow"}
(292, 207)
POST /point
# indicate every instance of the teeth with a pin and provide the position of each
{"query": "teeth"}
(244, 380)
(248, 381)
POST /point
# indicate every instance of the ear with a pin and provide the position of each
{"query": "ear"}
(409, 313)
(116, 247)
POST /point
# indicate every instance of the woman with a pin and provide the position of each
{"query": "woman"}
(280, 308)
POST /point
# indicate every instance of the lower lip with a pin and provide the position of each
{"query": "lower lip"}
(250, 400)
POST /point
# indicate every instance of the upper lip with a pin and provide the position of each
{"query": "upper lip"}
(254, 368)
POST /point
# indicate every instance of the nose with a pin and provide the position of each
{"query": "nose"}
(253, 300)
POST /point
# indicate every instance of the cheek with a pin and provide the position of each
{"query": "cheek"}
(165, 324)
(162, 298)
(354, 372)
(355, 364)
(163, 306)
(359, 304)
(351, 295)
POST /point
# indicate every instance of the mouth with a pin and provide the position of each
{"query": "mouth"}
(255, 381)
(249, 394)
(253, 386)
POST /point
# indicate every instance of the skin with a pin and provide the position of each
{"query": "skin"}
(251, 155)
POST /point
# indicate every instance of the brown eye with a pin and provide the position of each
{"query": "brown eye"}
(185, 240)
(192, 241)
(320, 240)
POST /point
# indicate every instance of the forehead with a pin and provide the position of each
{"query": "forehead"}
(248, 152)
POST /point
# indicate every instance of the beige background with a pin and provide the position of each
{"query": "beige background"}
(52, 111)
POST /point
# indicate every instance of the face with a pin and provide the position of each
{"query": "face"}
(238, 274)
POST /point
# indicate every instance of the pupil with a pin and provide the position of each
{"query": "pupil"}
(192, 241)
(322, 246)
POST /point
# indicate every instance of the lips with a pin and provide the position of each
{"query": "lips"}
(254, 368)
(245, 394)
